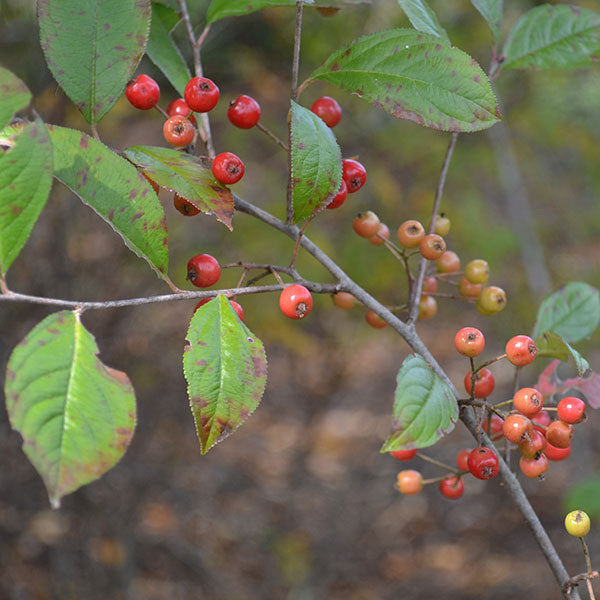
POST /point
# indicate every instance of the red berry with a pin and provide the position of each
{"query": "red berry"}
(340, 197)
(462, 459)
(534, 445)
(178, 131)
(521, 350)
(448, 262)
(469, 341)
(430, 285)
(179, 107)
(410, 233)
(244, 112)
(203, 270)
(528, 401)
(432, 246)
(328, 109)
(366, 224)
(542, 418)
(571, 410)
(343, 300)
(201, 94)
(534, 467)
(517, 428)
(427, 308)
(468, 289)
(143, 92)
(374, 320)
(203, 302)
(409, 482)
(496, 426)
(554, 453)
(227, 168)
(184, 207)
(382, 232)
(483, 463)
(354, 174)
(484, 383)
(295, 301)
(404, 454)
(238, 309)
(559, 434)
(452, 488)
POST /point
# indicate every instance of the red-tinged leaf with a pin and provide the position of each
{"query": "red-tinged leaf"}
(549, 384)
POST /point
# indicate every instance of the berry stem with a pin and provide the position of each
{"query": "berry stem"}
(433, 461)
(451, 296)
(438, 479)
(297, 245)
(278, 277)
(489, 362)
(203, 36)
(161, 110)
(262, 128)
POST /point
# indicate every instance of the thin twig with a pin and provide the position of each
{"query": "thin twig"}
(433, 461)
(262, 128)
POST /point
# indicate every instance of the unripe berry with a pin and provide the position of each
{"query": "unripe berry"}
(528, 401)
(366, 224)
(143, 92)
(203, 270)
(244, 112)
(492, 300)
(452, 488)
(448, 262)
(404, 454)
(484, 383)
(382, 232)
(295, 301)
(521, 350)
(468, 289)
(409, 482)
(469, 341)
(374, 320)
(483, 463)
(442, 225)
(354, 174)
(534, 467)
(328, 109)
(430, 285)
(410, 233)
(517, 428)
(344, 300)
(571, 410)
(577, 523)
(559, 434)
(427, 308)
(477, 271)
(432, 246)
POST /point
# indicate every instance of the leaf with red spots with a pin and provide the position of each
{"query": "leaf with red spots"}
(220, 9)
(554, 37)
(14, 96)
(316, 163)
(76, 415)
(425, 408)
(415, 76)
(181, 173)
(93, 47)
(225, 366)
(549, 384)
(25, 182)
(423, 18)
(114, 188)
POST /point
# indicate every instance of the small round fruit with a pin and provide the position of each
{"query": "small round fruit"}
(468, 289)
(203, 302)
(521, 350)
(559, 434)
(483, 463)
(354, 174)
(238, 309)
(374, 320)
(432, 246)
(186, 208)
(533, 445)
(533, 467)
(295, 301)
(227, 168)
(179, 107)
(452, 488)
(328, 109)
(409, 482)
(462, 459)
(554, 453)
(203, 270)
(442, 225)
(404, 454)
(427, 308)
(577, 523)
(430, 285)
(244, 112)
(517, 428)
(492, 299)
(178, 131)
(448, 262)
(484, 383)
(410, 233)
(366, 224)
(477, 271)
(571, 410)
(344, 300)
(383, 232)
(528, 401)
(201, 94)
(469, 341)
(496, 424)
(340, 197)
(143, 92)
(544, 419)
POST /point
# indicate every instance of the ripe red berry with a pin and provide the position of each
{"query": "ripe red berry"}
(340, 197)
(201, 94)
(203, 270)
(469, 341)
(238, 309)
(410, 233)
(484, 383)
(203, 302)
(186, 208)
(462, 459)
(448, 262)
(366, 224)
(404, 454)
(427, 308)
(382, 232)
(517, 428)
(452, 488)
(544, 419)
(409, 482)
(227, 168)
(496, 424)
(432, 246)
(534, 467)
(483, 463)
(554, 453)
(468, 289)
(328, 109)
(343, 300)
(559, 434)
(521, 350)
(354, 174)
(244, 112)
(179, 107)
(528, 401)
(571, 410)
(374, 320)
(295, 301)
(143, 92)
(178, 131)
(534, 445)
(430, 285)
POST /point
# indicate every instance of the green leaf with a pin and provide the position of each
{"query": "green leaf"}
(316, 163)
(584, 496)
(554, 37)
(14, 95)
(179, 172)
(423, 19)
(93, 47)
(415, 76)
(425, 408)
(551, 344)
(25, 182)
(75, 414)
(338, 3)
(115, 190)
(220, 9)
(573, 312)
(491, 11)
(225, 366)
(163, 52)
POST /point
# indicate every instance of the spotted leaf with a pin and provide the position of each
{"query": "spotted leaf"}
(14, 96)
(220, 9)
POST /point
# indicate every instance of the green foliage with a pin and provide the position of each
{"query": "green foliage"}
(425, 408)
(220, 9)
(13, 97)
(76, 415)
(25, 182)
(316, 163)
(554, 37)
(415, 76)
(423, 18)
(225, 366)
(491, 11)
(92, 48)
(551, 344)
(584, 496)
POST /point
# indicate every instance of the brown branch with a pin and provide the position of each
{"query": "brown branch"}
(262, 128)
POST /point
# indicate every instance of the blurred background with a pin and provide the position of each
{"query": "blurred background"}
(299, 503)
